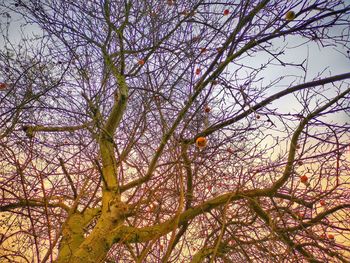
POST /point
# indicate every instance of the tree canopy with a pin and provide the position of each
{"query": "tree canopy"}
(174, 131)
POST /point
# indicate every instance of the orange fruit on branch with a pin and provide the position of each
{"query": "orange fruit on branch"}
(290, 15)
(331, 236)
(201, 142)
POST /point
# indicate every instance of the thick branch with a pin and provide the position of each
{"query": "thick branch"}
(270, 99)
(107, 133)
(284, 236)
(132, 234)
(41, 128)
(289, 167)
(317, 218)
(32, 203)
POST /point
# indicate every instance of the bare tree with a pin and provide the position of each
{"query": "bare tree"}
(173, 131)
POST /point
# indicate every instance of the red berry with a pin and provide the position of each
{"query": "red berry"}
(198, 71)
(226, 12)
(141, 62)
(304, 179)
(207, 109)
(323, 202)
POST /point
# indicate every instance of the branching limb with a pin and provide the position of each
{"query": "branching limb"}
(68, 177)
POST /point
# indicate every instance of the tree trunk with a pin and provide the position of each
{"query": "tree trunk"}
(94, 248)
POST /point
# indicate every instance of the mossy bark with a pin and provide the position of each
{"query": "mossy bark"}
(73, 236)
(96, 246)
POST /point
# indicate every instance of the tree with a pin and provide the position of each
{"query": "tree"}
(170, 131)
